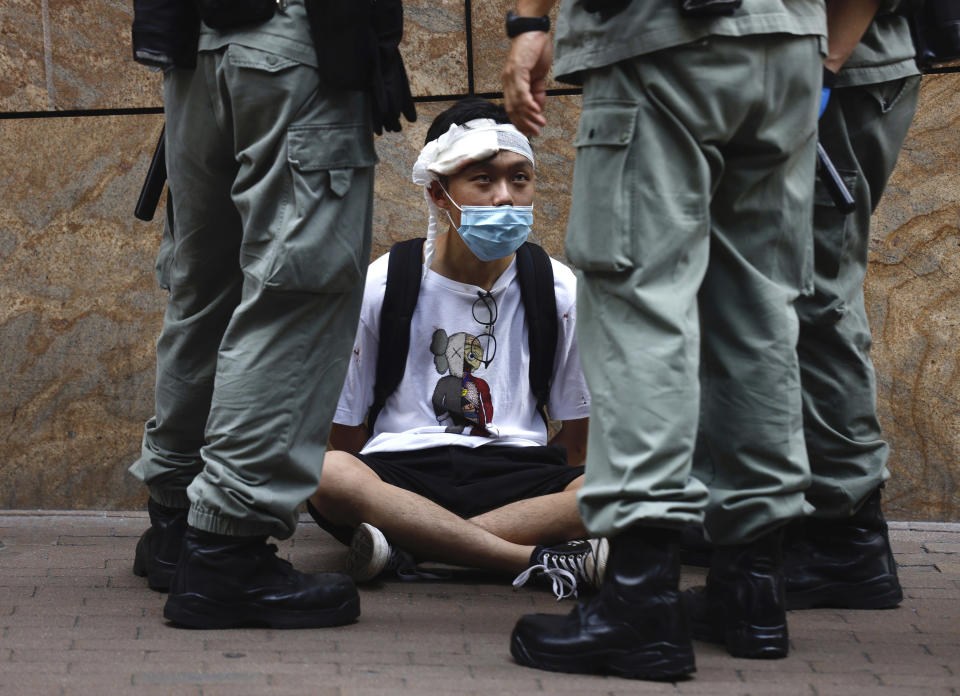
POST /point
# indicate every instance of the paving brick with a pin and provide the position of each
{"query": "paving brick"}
(952, 547)
(940, 669)
(950, 567)
(913, 563)
(361, 660)
(269, 690)
(22, 619)
(629, 687)
(936, 606)
(697, 686)
(32, 684)
(176, 678)
(180, 690)
(180, 642)
(10, 670)
(14, 537)
(914, 680)
(120, 663)
(14, 595)
(845, 690)
(930, 593)
(108, 683)
(36, 642)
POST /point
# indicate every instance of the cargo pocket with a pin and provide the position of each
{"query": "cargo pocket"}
(602, 206)
(830, 227)
(886, 94)
(167, 245)
(324, 243)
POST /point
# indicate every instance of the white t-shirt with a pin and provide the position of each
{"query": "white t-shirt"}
(467, 379)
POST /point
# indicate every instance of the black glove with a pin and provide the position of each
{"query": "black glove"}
(605, 8)
(389, 88)
(165, 33)
(226, 14)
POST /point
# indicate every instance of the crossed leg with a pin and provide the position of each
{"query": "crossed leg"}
(502, 539)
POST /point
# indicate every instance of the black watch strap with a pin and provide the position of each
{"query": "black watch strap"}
(517, 25)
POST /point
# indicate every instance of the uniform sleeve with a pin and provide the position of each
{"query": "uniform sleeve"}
(569, 397)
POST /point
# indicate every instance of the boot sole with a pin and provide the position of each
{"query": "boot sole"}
(661, 662)
(879, 593)
(196, 611)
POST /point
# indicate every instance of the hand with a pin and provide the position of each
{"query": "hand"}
(829, 79)
(390, 93)
(525, 80)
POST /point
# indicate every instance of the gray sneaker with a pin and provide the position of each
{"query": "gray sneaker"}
(570, 566)
(371, 556)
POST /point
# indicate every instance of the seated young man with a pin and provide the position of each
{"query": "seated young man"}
(457, 468)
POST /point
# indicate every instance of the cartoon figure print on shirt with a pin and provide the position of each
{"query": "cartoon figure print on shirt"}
(460, 397)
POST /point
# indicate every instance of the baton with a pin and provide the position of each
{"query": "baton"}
(830, 177)
(153, 183)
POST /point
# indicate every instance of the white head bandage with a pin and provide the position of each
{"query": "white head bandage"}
(474, 141)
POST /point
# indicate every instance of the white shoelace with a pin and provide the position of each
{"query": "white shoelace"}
(564, 582)
(563, 572)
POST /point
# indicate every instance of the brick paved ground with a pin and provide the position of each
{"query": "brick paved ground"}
(76, 621)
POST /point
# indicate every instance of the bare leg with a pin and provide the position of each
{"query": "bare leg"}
(547, 519)
(351, 493)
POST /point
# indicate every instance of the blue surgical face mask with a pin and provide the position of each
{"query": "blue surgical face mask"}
(493, 231)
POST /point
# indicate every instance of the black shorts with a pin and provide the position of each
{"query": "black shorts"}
(469, 481)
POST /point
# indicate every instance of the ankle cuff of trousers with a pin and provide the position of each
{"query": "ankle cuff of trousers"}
(171, 499)
(213, 521)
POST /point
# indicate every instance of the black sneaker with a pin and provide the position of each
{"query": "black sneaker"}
(372, 556)
(569, 566)
(228, 582)
(159, 547)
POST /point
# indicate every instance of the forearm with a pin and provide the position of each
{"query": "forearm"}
(847, 20)
(525, 71)
(348, 438)
(573, 436)
(534, 8)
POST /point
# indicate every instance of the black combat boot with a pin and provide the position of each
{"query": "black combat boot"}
(842, 563)
(227, 582)
(695, 550)
(633, 627)
(159, 546)
(743, 604)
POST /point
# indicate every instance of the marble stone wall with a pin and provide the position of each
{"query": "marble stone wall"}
(80, 308)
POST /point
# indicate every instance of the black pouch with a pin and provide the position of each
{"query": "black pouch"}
(935, 26)
(605, 8)
(343, 36)
(165, 33)
(225, 14)
(389, 85)
(357, 44)
(709, 8)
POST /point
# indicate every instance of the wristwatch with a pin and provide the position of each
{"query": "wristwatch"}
(517, 25)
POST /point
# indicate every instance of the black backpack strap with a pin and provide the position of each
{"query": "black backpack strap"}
(404, 268)
(535, 273)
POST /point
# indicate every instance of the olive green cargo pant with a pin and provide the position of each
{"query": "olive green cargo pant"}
(271, 177)
(691, 228)
(862, 130)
